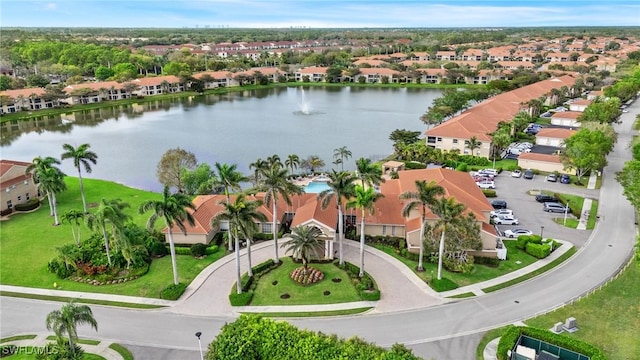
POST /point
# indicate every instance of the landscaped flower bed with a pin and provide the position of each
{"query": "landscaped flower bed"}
(307, 276)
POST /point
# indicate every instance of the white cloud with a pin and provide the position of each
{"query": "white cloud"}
(51, 6)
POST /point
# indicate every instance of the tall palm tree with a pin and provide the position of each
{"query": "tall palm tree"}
(109, 216)
(81, 156)
(341, 187)
(275, 185)
(341, 154)
(67, 319)
(304, 240)
(292, 162)
(258, 166)
(449, 211)
(241, 216)
(274, 160)
(173, 209)
(369, 173)
(473, 144)
(229, 178)
(425, 195)
(51, 180)
(313, 162)
(365, 200)
(37, 166)
(74, 218)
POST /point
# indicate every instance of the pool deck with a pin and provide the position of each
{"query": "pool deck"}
(306, 180)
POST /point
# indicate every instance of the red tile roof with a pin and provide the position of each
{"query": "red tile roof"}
(540, 157)
(558, 133)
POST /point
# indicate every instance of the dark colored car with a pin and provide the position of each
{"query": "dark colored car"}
(565, 179)
(499, 204)
(542, 198)
(528, 174)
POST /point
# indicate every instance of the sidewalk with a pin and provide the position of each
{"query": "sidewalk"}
(593, 178)
(477, 288)
(101, 349)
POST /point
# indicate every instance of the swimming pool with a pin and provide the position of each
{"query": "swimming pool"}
(316, 187)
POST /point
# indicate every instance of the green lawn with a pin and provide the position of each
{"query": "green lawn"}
(29, 241)
(480, 273)
(268, 294)
(609, 318)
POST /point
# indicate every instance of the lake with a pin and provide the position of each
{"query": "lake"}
(235, 128)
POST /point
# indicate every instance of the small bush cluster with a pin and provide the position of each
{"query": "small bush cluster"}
(411, 165)
(173, 292)
(489, 193)
(539, 251)
(29, 205)
(523, 240)
(512, 333)
(306, 276)
(365, 285)
(474, 160)
(242, 299)
(198, 250)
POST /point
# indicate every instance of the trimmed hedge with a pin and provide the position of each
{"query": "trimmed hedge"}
(252, 337)
(212, 249)
(512, 333)
(489, 193)
(198, 250)
(411, 165)
(28, 206)
(539, 251)
(242, 299)
(367, 288)
(523, 240)
(173, 292)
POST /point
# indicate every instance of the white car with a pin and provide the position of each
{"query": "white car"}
(493, 172)
(512, 233)
(486, 185)
(516, 173)
(499, 212)
(505, 220)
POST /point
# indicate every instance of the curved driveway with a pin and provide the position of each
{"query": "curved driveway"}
(608, 248)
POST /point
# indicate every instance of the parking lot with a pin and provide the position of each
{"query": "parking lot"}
(515, 191)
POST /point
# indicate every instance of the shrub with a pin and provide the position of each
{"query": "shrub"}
(212, 249)
(462, 166)
(173, 292)
(306, 276)
(6, 212)
(512, 333)
(28, 206)
(455, 265)
(538, 250)
(264, 266)
(158, 249)
(242, 299)
(198, 250)
(443, 284)
(489, 193)
(411, 165)
(181, 250)
(523, 240)
(487, 261)
(57, 267)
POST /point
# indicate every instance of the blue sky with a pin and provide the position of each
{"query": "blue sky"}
(317, 13)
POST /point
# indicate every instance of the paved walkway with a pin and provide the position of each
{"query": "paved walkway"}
(101, 349)
(593, 178)
(586, 209)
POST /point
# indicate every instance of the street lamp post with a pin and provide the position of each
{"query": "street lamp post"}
(198, 334)
(566, 210)
(541, 230)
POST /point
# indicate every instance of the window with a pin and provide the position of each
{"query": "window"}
(455, 141)
(266, 228)
(19, 198)
(393, 231)
(384, 229)
(439, 139)
(27, 196)
(9, 204)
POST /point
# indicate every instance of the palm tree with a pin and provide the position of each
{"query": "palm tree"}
(472, 144)
(229, 178)
(81, 156)
(425, 196)
(304, 240)
(341, 154)
(274, 160)
(109, 216)
(313, 162)
(449, 211)
(275, 185)
(292, 162)
(368, 172)
(258, 166)
(67, 319)
(173, 209)
(51, 180)
(37, 166)
(341, 187)
(241, 216)
(74, 218)
(365, 200)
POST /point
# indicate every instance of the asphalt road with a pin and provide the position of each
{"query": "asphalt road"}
(445, 331)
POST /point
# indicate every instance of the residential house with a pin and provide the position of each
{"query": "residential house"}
(431, 76)
(483, 119)
(375, 75)
(445, 55)
(158, 85)
(472, 55)
(93, 92)
(543, 162)
(553, 136)
(23, 99)
(313, 73)
(421, 56)
(579, 105)
(215, 79)
(16, 186)
(566, 118)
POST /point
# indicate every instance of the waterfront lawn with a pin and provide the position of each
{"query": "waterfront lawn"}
(29, 242)
(268, 294)
(517, 259)
(608, 318)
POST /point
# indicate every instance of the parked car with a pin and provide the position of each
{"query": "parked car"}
(499, 204)
(498, 212)
(511, 233)
(492, 172)
(486, 185)
(552, 178)
(528, 174)
(565, 179)
(505, 220)
(553, 207)
(516, 173)
(543, 198)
